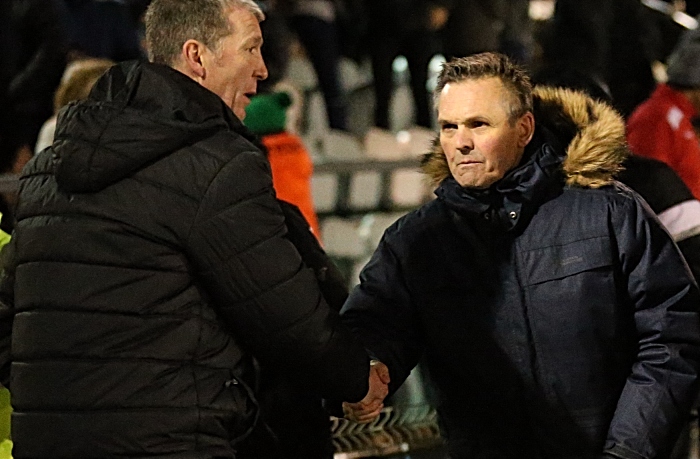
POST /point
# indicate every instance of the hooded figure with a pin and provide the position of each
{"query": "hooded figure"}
(152, 272)
(557, 317)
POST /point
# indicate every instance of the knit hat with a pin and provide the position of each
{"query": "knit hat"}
(684, 63)
(267, 113)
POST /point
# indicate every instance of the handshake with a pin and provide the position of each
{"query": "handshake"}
(367, 409)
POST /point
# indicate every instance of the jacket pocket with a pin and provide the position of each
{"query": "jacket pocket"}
(242, 426)
(561, 261)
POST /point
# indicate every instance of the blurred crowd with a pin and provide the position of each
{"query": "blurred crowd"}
(614, 46)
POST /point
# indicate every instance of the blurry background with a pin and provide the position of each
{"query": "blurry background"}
(359, 76)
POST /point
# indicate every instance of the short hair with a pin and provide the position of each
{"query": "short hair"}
(170, 23)
(489, 65)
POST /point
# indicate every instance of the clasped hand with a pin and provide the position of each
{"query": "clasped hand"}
(367, 409)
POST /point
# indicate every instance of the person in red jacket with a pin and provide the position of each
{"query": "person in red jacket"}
(290, 161)
(662, 127)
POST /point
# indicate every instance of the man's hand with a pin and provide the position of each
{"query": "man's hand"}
(367, 409)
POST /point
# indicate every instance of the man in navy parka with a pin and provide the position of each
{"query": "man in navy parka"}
(557, 316)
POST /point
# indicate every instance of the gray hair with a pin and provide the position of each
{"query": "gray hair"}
(170, 23)
(490, 65)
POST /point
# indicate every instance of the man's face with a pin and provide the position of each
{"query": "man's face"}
(234, 69)
(479, 142)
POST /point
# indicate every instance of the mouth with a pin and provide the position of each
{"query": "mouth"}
(468, 163)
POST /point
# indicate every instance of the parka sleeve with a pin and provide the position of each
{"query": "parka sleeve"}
(380, 311)
(263, 292)
(663, 383)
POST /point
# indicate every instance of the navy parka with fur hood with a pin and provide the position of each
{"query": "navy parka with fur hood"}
(151, 266)
(558, 318)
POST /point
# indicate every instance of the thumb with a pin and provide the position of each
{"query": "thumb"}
(382, 371)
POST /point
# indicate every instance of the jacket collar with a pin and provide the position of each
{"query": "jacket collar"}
(578, 142)
(509, 203)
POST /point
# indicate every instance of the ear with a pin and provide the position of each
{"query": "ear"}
(526, 129)
(191, 56)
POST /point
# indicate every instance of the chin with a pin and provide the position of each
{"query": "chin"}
(239, 113)
(474, 184)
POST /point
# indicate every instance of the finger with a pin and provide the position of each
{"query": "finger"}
(383, 373)
(364, 409)
(349, 409)
(362, 418)
(357, 410)
(376, 395)
(369, 408)
(369, 417)
(365, 418)
(349, 414)
(353, 406)
(379, 392)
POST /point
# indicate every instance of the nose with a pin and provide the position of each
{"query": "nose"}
(465, 141)
(261, 70)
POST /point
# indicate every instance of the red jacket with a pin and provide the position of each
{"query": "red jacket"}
(661, 128)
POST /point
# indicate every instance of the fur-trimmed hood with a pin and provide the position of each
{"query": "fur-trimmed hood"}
(593, 132)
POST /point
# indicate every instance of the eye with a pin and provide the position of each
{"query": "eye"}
(448, 126)
(477, 124)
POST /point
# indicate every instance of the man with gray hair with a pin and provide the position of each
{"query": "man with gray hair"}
(150, 268)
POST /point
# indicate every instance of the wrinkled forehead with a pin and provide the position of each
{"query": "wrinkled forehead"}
(474, 94)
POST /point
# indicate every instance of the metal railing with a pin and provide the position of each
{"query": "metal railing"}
(396, 430)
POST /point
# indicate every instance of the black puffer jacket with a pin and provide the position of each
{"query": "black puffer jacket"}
(558, 317)
(151, 265)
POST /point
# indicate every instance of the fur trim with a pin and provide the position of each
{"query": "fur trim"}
(594, 132)
(434, 163)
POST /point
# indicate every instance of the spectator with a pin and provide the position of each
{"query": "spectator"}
(401, 27)
(102, 28)
(517, 40)
(150, 268)
(613, 42)
(662, 126)
(471, 26)
(557, 316)
(314, 22)
(77, 81)
(34, 55)
(290, 161)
